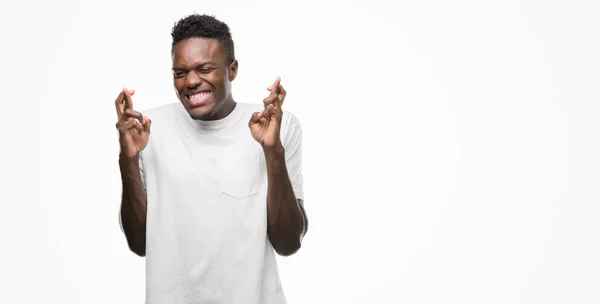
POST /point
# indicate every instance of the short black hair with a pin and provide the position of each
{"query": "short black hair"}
(204, 26)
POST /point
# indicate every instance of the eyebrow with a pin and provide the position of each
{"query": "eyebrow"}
(197, 66)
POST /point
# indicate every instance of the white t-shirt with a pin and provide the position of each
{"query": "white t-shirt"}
(206, 228)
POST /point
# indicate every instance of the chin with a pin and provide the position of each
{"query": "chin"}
(200, 113)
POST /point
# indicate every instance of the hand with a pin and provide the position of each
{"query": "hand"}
(265, 126)
(134, 129)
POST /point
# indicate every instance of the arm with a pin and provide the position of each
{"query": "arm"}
(286, 218)
(134, 134)
(133, 204)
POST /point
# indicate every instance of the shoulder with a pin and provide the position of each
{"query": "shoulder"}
(291, 128)
(247, 109)
(162, 111)
(164, 117)
(291, 119)
(166, 120)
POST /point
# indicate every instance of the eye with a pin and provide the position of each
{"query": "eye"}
(178, 74)
(206, 70)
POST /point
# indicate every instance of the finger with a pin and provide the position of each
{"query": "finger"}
(255, 118)
(275, 86)
(138, 126)
(129, 124)
(146, 123)
(282, 93)
(271, 113)
(266, 113)
(279, 91)
(129, 113)
(270, 100)
(128, 102)
(275, 112)
(119, 104)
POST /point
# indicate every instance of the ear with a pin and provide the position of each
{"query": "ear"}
(233, 69)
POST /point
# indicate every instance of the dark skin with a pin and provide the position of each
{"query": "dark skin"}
(133, 138)
(200, 65)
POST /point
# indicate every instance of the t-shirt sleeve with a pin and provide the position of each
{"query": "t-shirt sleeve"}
(293, 155)
(142, 172)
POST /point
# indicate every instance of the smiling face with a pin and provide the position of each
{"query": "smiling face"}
(202, 76)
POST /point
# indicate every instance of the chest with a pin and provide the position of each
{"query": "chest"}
(211, 165)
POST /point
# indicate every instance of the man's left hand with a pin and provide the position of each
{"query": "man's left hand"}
(265, 126)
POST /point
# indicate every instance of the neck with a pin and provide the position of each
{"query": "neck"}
(220, 112)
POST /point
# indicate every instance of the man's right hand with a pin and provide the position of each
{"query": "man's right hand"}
(134, 128)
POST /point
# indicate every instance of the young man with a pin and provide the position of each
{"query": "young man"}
(214, 188)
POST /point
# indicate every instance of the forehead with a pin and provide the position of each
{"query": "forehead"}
(192, 51)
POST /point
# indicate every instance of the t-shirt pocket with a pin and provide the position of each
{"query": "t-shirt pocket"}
(241, 176)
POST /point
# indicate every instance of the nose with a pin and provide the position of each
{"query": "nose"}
(192, 80)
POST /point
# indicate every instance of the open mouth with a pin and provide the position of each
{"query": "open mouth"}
(198, 99)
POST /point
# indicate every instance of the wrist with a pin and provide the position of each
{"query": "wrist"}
(124, 158)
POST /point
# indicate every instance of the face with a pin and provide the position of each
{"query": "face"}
(202, 77)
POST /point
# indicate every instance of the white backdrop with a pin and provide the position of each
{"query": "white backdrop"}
(452, 148)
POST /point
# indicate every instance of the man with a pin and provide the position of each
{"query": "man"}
(212, 188)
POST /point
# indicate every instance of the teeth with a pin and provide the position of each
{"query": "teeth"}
(200, 96)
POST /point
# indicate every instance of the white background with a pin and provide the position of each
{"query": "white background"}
(452, 148)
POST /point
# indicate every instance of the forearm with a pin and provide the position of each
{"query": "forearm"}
(133, 205)
(286, 220)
